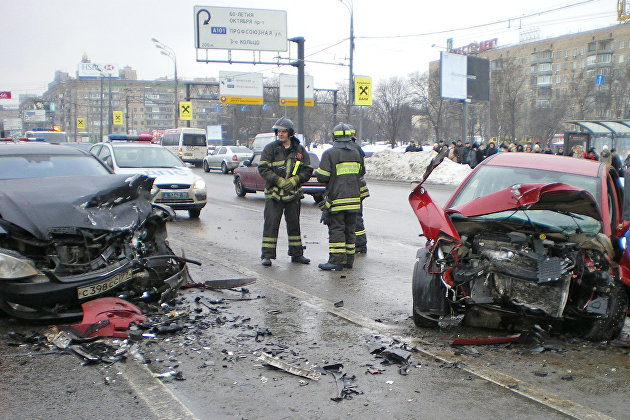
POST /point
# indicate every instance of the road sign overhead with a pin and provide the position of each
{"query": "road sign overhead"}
(228, 28)
(362, 90)
(240, 88)
(289, 90)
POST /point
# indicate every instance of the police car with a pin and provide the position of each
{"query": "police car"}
(175, 184)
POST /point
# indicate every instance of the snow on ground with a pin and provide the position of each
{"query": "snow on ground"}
(389, 165)
(394, 165)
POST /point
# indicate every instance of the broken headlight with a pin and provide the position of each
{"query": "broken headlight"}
(13, 266)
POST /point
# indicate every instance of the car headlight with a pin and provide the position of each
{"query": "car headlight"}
(13, 267)
(199, 184)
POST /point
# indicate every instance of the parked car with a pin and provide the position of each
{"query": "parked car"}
(247, 179)
(526, 238)
(176, 185)
(72, 231)
(226, 158)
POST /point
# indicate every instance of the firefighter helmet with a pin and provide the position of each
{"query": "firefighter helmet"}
(284, 124)
(343, 132)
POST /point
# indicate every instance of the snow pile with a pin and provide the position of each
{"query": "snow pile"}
(388, 165)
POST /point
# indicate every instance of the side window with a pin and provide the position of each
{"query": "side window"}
(613, 209)
(106, 156)
(222, 151)
(256, 160)
(95, 150)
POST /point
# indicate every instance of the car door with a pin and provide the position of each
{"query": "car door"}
(217, 157)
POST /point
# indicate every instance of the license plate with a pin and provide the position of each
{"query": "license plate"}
(105, 285)
(167, 195)
(188, 154)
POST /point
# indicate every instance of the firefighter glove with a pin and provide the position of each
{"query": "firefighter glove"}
(294, 180)
(325, 219)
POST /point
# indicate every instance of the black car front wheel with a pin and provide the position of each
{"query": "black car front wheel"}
(206, 168)
(194, 213)
(238, 187)
(609, 326)
(427, 294)
(224, 168)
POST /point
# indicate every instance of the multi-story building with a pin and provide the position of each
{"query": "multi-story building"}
(552, 67)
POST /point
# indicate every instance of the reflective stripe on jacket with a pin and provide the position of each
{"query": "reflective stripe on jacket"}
(276, 162)
(341, 169)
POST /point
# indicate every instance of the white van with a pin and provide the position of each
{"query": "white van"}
(261, 140)
(188, 143)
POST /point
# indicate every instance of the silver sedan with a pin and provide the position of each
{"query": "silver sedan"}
(226, 158)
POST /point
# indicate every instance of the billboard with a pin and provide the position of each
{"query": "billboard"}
(36, 115)
(463, 77)
(289, 90)
(94, 70)
(229, 28)
(5, 95)
(240, 88)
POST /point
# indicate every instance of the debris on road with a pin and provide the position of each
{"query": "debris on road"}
(345, 384)
(220, 284)
(287, 367)
(480, 341)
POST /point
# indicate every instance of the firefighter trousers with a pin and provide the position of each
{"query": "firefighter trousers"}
(361, 242)
(341, 237)
(273, 214)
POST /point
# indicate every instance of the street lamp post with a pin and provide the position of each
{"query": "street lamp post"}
(167, 51)
(350, 6)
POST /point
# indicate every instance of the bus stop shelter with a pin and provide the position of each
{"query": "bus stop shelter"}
(595, 134)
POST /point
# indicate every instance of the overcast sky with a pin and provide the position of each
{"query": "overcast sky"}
(42, 36)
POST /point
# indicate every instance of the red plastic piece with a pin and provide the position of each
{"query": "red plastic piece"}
(475, 341)
(108, 317)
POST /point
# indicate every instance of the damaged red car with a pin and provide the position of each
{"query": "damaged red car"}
(526, 239)
(71, 231)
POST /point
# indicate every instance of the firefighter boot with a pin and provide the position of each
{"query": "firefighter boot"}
(266, 262)
(300, 259)
(330, 267)
(349, 261)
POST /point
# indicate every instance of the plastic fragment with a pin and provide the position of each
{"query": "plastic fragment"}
(287, 367)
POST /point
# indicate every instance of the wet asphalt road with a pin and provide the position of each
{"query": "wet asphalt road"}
(295, 304)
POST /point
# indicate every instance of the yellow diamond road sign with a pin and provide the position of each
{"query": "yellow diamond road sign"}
(118, 118)
(81, 123)
(185, 111)
(362, 90)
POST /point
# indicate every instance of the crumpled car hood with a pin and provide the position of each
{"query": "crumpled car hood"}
(164, 176)
(107, 202)
(556, 197)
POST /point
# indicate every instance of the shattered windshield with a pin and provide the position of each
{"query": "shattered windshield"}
(546, 221)
(490, 179)
(145, 157)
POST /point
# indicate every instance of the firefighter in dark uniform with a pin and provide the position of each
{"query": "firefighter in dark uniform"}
(285, 165)
(341, 169)
(361, 237)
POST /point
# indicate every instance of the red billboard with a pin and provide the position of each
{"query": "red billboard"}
(5, 95)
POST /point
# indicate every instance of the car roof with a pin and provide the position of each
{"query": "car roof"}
(117, 144)
(544, 161)
(38, 148)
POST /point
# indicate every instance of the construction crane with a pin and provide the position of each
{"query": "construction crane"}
(623, 14)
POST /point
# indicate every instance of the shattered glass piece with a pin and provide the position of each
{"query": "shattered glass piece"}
(451, 321)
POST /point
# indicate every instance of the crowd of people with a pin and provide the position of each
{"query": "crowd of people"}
(471, 154)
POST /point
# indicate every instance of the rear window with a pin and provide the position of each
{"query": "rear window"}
(39, 166)
(194, 140)
(241, 149)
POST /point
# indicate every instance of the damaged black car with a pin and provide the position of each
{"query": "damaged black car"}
(70, 231)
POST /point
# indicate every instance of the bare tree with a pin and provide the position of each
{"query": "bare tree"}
(391, 108)
(507, 96)
(425, 96)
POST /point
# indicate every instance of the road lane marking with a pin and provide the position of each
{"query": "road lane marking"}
(257, 210)
(524, 389)
(157, 397)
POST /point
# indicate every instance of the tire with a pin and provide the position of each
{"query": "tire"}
(608, 327)
(194, 213)
(238, 187)
(206, 168)
(427, 294)
(224, 168)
